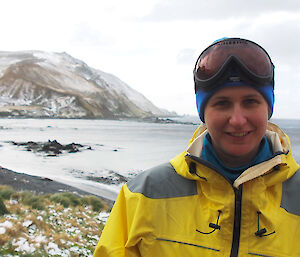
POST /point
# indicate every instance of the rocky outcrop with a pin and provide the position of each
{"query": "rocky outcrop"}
(51, 148)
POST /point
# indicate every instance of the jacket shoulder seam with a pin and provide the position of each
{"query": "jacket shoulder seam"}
(162, 182)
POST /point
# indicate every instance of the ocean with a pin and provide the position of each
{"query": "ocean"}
(112, 151)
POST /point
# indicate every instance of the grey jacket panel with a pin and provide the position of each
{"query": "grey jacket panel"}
(162, 182)
(290, 200)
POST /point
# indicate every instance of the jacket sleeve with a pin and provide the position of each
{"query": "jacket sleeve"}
(118, 238)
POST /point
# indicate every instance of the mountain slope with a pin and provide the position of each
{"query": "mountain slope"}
(43, 84)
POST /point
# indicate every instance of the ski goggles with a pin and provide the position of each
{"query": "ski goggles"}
(233, 59)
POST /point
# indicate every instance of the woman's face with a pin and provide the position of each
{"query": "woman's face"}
(236, 119)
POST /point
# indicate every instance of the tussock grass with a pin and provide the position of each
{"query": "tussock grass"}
(35, 201)
(4, 239)
(93, 201)
(6, 192)
(73, 224)
(3, 209)
(66, 199)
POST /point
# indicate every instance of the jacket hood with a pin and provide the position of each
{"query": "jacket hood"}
(282, 160)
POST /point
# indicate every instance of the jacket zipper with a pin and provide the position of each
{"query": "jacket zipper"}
(237, 208)
(237, 222)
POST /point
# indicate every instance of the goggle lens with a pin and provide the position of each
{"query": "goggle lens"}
(251, 55)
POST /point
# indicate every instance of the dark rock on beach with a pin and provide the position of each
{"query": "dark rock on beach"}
(51, 148)
(114, 179)
(172, 121)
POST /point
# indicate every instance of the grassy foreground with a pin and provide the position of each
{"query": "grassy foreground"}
(60, 224)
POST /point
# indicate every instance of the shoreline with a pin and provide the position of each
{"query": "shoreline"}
(41, 185)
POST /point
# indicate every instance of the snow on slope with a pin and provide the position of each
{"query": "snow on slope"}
(66, 62)
(140, 100)
(36, 83)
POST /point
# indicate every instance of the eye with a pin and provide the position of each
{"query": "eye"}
(251, 101)
(221, 103)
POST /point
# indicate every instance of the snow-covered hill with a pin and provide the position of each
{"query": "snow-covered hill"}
(56, 85)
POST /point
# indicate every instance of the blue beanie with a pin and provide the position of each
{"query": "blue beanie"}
(202, 96)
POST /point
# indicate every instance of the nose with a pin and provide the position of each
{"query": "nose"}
(237, 116)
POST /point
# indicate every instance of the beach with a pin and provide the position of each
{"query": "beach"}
(39, 185)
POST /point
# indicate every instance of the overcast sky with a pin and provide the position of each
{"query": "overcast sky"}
(152, 45)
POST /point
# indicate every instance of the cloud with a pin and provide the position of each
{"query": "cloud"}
(186, 56)
(286, 45)
(86, 35)
(216, 9)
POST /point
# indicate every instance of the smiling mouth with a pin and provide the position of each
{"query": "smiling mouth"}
(238, 134)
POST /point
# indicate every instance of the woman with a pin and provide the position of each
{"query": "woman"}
(234, 191)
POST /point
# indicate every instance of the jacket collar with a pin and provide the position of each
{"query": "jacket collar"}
(282, 157)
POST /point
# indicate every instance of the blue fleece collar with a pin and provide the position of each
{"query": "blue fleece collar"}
(209, 154)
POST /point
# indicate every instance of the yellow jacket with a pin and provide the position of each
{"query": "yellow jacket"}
(185, 208)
